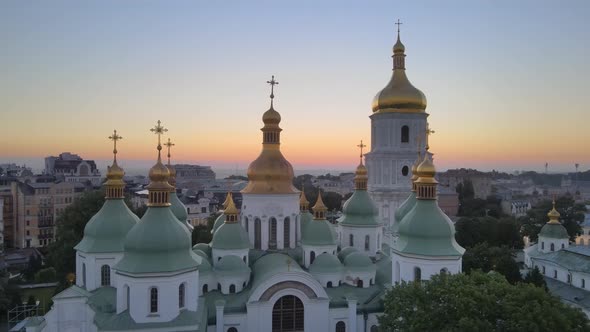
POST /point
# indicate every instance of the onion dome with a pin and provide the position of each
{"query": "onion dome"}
(359, 261)
(204, 247)
(230, 235)
(178, 208)
(232, 265)
(107, 229)
(270, 173)
(221, 218)
(360, 210)
(319, 231)
(159, 243)
(326, 263)
(205, 265)
(227, 198)
(426, 230)
(399, 95)
(345, 252)
(553, 228)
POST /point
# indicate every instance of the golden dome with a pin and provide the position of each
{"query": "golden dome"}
(553, 215)
(115, 172)
(303, 202)
(399, 95)
(271, 116)
(426, 171)
(319, 209)
(159, 175)
(172, 177)
(270, 173)
(231, 208)
(361, 177)
(228, 197)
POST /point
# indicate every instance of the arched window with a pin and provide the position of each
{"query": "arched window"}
(257, 235)
(232, 329)
(555, 274)
(583, 283)
(543, 270)
(232, 288)
(444, 270)
(359, 283)
(542, 245)
(417, 274)
(153, 299)
(127, 296)
(405, 134)
(272, 224)
(288, 314)
(351, 240)
(181, 296)
(105, 275)
(246, 223)
(552, 247)
(340, 327)
(311, 257)
(287, 233)
(329, 284)
(205, 288)
(405, 171)
(367, 242)
(569, 278)
(219, 287)
(84, 274)
(562, 246)
(374, 328)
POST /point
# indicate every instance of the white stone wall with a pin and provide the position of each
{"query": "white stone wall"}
(555, 271)
(70, 315)
(544, 244)
(94, 263)
(318, 250)
(226, 280)
(359, 234)
(403, 267)
(217, 254)
(584, 238)
(265, 207)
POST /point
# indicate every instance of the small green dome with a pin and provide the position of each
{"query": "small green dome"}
(230, 236)
(319, 233)
(306, 218)
(178, 208)
(426, 230)
(218, 222)
(325, 263)
(205, 264)
(359, 211)
(358, 260)
(405, 207)
(158, 243)
(345, 252)
(231, 264)
(554, 231)
(204, 247)
(107, 229)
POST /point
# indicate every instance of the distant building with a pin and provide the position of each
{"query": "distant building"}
(1, 226)
(342, 185)
(193, 173)
(448, 201)
(482, 182)
(515, 208)
(12, 169)
(584, 238)
(72, 168)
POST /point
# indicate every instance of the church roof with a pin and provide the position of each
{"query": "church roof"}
(574, 258)
(218, 222)
(404, 208)
(230, 236)
(204, 247)
(554, 231)
(359, 211)
(178, 208)
(326, 263)
(306, 218)
(359, 260)
(319, 233)
(232, 264)
(345, 252)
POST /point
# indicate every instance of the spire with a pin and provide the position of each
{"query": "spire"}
(428, 133)
(159, 188)
(319, 209)
(115, 184)
(271, 118)
(360, 177)
(426, 183)
(228, 198)
(230, 212)
(272, 83)
(398, 51)
(303, 202)
(172, 179)
(553, 215)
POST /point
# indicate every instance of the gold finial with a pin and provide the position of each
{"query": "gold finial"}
(272, 83)
(428, 133)
(231, 212)
(159, 188)
(169, 144)
(319, 209)
(553, 214)
(426, 183)
(303, 202)
(159, 130)
(361, 146)
(115, 137)
(172, 178)
(398, 23)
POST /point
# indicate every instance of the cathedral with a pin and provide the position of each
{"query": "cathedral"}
(273, 264)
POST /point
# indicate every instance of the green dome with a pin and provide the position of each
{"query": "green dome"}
(230, 236)
(107, 229)
(345, 252)
(204, 247)
(178, 209)
(359, 211)
(405, 207)
(205, 264)
(232, 264)
(554, 231)
(319, 233)
(325, 263)
(426, 230)
(359, 260)
(158, 243)
(218, 222)
(306, 218)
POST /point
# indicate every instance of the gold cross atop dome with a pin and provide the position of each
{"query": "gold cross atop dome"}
(115, 137)
(272, 83)
(428, 133)
(168, 145)
(398, 23)
(159, 130)
(361, 146)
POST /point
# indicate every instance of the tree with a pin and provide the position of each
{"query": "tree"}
(485, 258)
(202, 233)
(476, 302)
(496, 232)
(535, 277)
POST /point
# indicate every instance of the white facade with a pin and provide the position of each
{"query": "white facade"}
(415, 268)
(364, 239)
(265, 217)
(310, 252)
(547, 244)
(92, 271)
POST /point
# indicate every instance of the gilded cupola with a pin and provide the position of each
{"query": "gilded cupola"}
(399, 95)
(319, 209)
(115, 184)
(303, 202)
(159, 188)
(426, 183)
(270, 173)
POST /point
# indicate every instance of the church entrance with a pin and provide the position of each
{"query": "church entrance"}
(287, 314)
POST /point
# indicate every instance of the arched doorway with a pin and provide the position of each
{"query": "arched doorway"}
(287, 314)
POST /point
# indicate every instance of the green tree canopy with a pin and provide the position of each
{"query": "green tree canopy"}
(496, 232)
(485, 258)
(476, 302)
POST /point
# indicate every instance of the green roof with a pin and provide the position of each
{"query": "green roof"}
(230, 236)
(231, 264)
(319, 233)
(271, 264)
(158, 243)
(178, 208)
(359, 211)
(205, 263)
(426, 230)
(326, 263)
(405, 207)
(359, 260)
(345, 252)
(571, 258)
(218, 222)
(204, 247)
(554, 231)
(106, 230)
(306, 218)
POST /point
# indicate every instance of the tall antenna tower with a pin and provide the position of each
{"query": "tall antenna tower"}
(546, 167)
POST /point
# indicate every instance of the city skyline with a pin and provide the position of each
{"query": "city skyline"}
(505, 82)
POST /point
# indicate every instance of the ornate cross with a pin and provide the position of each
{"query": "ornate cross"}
(114, 137)
(272, 83)
(159, 130)
(428, 133)
(398, 23)
(361, 146)
(169, 144)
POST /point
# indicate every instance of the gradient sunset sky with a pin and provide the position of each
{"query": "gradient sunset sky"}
(507, 82)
